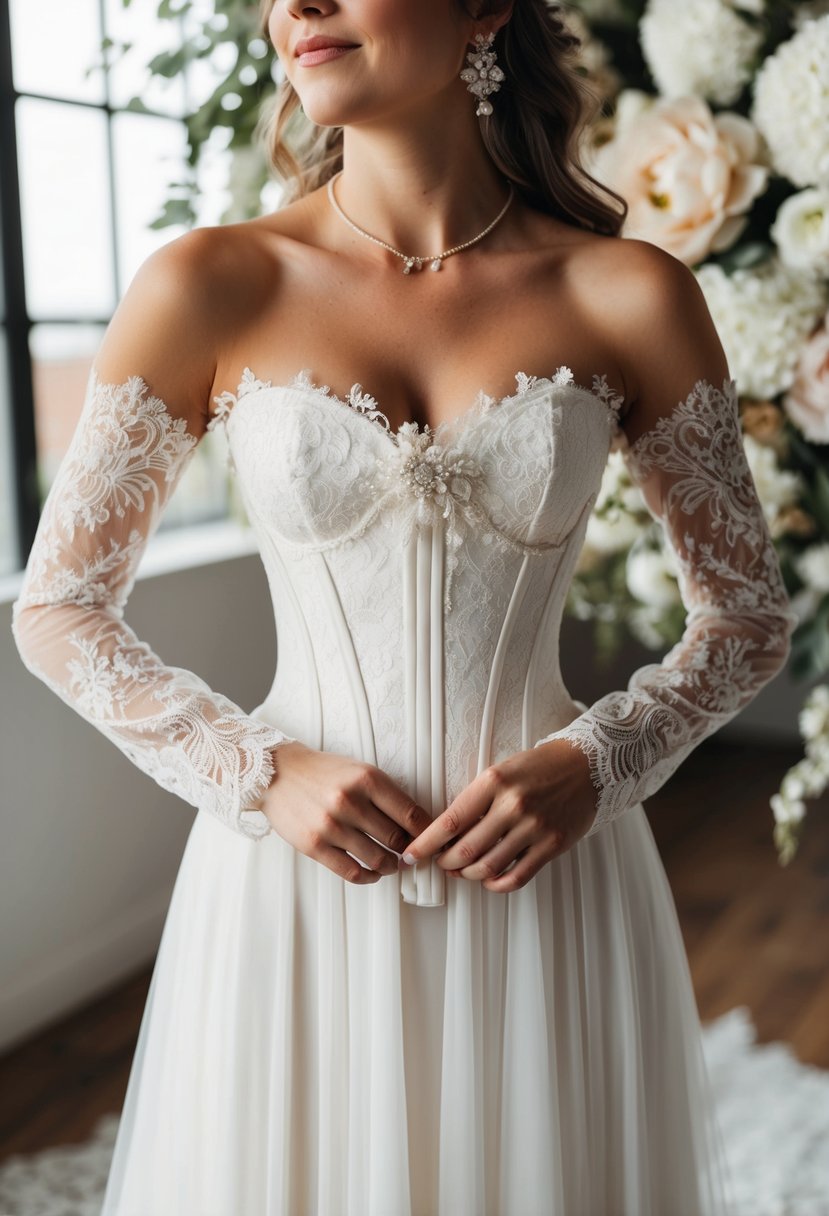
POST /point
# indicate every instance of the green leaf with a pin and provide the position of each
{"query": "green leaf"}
(167, 64)
(821, 489)
(175, 211)
(742, 257)
(810, 645)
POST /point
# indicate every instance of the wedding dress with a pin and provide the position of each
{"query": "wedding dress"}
(420, 1046)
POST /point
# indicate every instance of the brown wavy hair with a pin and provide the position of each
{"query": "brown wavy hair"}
(533, 135)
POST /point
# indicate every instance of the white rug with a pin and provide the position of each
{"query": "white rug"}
(773, 1112)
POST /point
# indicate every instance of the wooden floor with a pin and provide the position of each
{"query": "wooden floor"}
(757, 934)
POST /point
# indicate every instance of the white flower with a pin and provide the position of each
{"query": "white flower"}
(813, 566)
(644, 621)
(801, 230)
(776, 488)
(617, 485)
(807, 401)
(813, 719)
(700, 47)
(611, 533)
(612, 527)
(689, 176)
(763, 316)
(651, 579)
(791, 104)
(808, 10)
(787, 810)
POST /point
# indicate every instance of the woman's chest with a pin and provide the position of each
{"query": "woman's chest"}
(316, 469)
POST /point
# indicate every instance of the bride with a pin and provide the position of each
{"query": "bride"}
(421, 958)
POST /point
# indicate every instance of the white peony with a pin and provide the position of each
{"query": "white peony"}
(701, 47)
(611, 533)
(689, 176)
(801, 230)
(791, 104)
(650, 576)
(763, 315)
(813, 567)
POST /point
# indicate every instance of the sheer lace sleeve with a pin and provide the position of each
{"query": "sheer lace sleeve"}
(692, 470)
(124, 462)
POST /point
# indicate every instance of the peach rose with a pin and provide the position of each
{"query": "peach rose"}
(807, 401)
(688, 176)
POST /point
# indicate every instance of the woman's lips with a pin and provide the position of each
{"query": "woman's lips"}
(309, 58)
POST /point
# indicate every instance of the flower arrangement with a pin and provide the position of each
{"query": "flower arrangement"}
(714, 127)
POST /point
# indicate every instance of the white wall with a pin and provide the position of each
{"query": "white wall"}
(91, 845)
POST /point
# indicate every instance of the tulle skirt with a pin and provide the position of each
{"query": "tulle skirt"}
(314, 1048)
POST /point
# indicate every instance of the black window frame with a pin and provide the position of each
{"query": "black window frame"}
(16, 320)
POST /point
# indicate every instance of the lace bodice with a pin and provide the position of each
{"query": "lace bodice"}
(418, 580)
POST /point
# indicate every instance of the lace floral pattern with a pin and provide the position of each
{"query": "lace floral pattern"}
(693, 473)
(125, 460)
(426, 473)
(363, 402)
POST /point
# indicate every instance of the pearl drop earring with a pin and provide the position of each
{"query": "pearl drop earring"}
(483, 75)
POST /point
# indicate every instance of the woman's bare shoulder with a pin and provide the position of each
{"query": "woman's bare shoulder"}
(639, 297)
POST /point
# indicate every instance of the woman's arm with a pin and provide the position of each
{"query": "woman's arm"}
(682, 444)
(143, 415)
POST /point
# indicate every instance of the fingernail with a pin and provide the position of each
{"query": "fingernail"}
(409, 859)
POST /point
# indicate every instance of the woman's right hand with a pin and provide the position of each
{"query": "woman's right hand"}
(324, 804)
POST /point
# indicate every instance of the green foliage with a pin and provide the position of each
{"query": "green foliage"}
(810, 645)
(234, 103)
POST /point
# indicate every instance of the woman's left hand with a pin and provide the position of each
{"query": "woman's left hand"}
(531, 807)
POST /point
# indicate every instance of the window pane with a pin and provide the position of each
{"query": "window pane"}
(53, 43)
(213, 177)
(149, 154)
(149, 34)
(65, 200)
(61, 356)
(8, 515)
(61, 359)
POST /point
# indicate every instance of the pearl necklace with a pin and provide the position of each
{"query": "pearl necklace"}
(415, 263)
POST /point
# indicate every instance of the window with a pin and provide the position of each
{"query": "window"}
(82, 176)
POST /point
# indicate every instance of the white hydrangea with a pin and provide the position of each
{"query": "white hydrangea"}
(702, 47)
(801, 230)
(791, 104)
(776, 488)
(813, 566)
(808, 10)
(763, 315)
